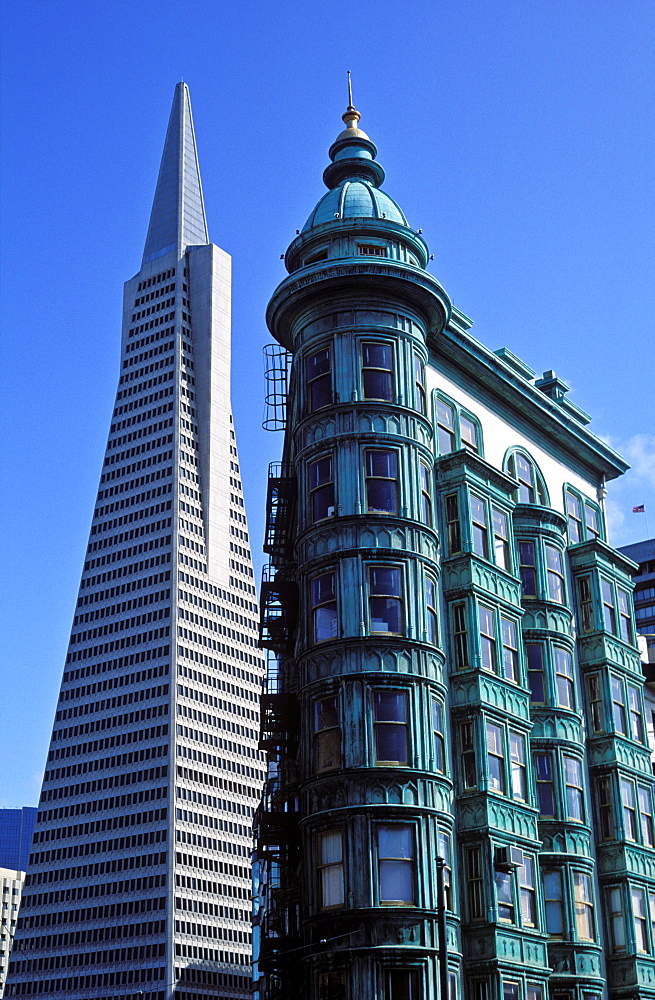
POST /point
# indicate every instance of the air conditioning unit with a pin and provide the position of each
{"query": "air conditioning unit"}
(508, 857)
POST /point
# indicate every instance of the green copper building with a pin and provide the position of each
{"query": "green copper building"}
(459, 801)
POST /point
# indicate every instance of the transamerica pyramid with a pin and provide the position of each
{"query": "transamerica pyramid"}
(139, 877)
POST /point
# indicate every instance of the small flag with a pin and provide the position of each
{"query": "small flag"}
(641, 509)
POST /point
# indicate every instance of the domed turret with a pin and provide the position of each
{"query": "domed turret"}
(354, 178)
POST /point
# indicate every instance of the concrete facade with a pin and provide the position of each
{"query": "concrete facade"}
(139, 878)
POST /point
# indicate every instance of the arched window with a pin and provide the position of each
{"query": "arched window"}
(531, 483)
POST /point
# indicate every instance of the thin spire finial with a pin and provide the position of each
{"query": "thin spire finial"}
(351, 116)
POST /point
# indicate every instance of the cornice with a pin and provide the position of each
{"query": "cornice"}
(408, 283)
(478, 363)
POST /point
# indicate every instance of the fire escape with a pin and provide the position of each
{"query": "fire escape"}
(276, 819)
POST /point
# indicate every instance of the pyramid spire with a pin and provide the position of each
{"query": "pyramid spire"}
(178, 218)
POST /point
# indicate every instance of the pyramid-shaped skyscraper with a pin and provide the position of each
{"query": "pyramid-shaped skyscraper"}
(139, 876)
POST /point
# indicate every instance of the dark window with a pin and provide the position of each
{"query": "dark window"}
(324, 607)
(536, 678)
(645, 815)
(419, 376)
(390, 726)
(487, 639)
(554, 901)
(377, 371)
(437, 729)
(545, 784)
(431, 609)
(475, 884)
(401, 984)
(528, 569)
(480, 530)
(459, 636)
(327, 734)
(319, 380)
(586, 604)
(596, 707)
(605, 808)
(382, 481)
(385, 604)
(426, 495)
(453, 525)
(321, 488)
(469, 770)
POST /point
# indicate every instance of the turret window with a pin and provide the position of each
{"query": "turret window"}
(534, 652)
(324, 607)
(605, 801)
(564, 678)
(545, 784)
(390, 726)
(396, 865)
(321, 488)
(319, 380)
(401, 984)
(475, 883)
(426, 494)
(501, 539)
(381, 481)
(495, 758)
(460, 637)
(431, 609)
(377, 371)
(385, 601)
(616, 918)
(327, 734)
(419, 384)
(528, 568)
(330, 868)
(586, 603)
(456, 428)
(467, 750)
(480, 529)
(438, 740)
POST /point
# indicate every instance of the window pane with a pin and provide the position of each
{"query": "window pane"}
(396, 852)
(469, 433)
(528, 569)
(504, 896)
(376, 355)
(554, 903)
(564, 678)
(583, 908)
(535, 656)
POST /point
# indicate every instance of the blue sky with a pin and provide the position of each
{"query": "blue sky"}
(518, 135)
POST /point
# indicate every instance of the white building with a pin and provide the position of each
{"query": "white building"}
(139, 876)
